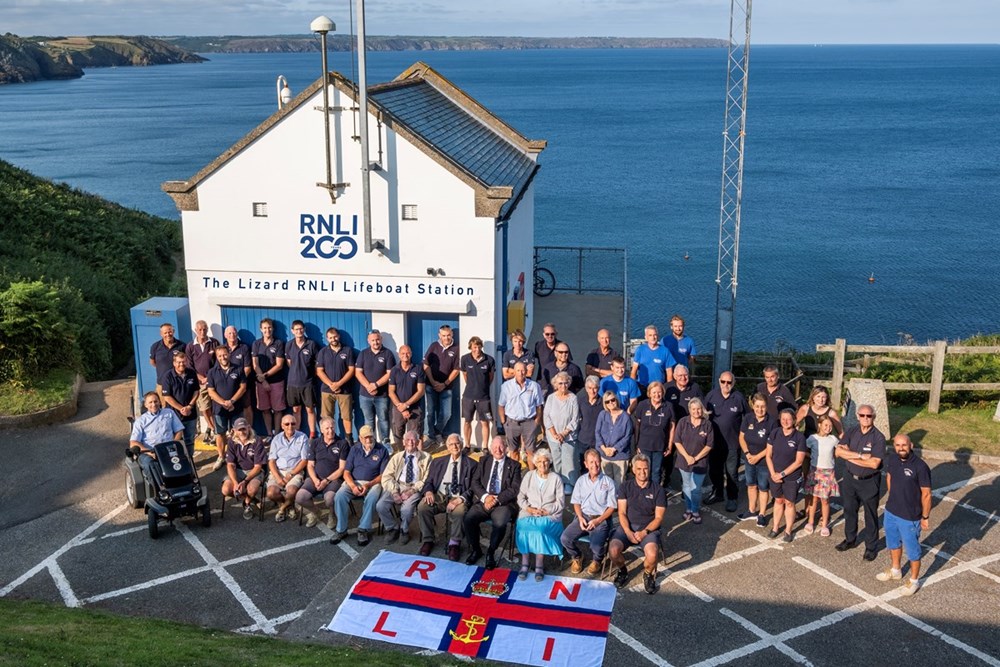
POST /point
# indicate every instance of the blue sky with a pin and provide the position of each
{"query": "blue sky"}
(774, 21)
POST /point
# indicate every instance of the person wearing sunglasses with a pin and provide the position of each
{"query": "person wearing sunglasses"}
(614, 438)
(726, 408)
(863, 449)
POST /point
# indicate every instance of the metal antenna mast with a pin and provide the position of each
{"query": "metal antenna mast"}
(733, 135)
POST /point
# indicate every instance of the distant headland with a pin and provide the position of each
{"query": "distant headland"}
(24, 59)
(306, 43)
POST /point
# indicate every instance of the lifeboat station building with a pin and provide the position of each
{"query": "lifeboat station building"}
(267, 233)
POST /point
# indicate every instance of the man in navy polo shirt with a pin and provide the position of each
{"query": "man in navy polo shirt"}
(726, 406)
(406, 391)
(300, 353)
(545, 349)
(907, 511)
(324, 471)
(777, 394)
(200, 357)
(240, 356)
(680, 392)
(226, 385)
(625, 388)
(518, 353)
(181, 393)
(562, 364)
(269, 368)
(599, 359)
(680, 346)
(161, 353)
(478, 370)
(641, 506)
(652, 362)
(441, 368)
(863, 448)
(335, 369)
(362, 480)
(372, 371)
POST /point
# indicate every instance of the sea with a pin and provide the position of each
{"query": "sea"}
(870, 196)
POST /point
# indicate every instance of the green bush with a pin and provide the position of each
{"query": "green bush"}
(115, 257)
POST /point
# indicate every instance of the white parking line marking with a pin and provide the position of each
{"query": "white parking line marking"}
(62, 583)
(990, 516)
(61, 550)
(882, 603)
(271, 623)
(965, 482)
(637, 646)
(767, 637)
(947, 557)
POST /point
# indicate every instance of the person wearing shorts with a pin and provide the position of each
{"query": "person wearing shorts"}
(335, 369)
(907, 511)
(269, 367)
(786, 451)
(478, 370)
(286, 461)
(519, 410)
(754, 431)
(641, 506)
(246, 460)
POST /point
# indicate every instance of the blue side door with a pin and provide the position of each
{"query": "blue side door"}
(422, 330)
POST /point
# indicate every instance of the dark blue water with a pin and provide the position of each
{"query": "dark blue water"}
(859, 160)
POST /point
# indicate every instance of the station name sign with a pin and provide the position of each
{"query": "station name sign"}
(349, 286)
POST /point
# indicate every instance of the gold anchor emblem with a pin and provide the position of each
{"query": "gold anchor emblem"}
(471, 624)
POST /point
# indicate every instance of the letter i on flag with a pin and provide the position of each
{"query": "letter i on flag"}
(445, 606)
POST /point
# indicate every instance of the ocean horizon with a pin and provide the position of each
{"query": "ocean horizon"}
(860, 161)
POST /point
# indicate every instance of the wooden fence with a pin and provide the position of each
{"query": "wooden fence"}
(937, 350)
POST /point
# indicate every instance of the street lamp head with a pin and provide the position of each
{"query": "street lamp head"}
(322, 25)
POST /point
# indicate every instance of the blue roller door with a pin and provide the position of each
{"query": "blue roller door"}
(421, 331)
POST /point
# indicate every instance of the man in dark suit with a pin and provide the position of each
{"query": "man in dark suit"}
(495, 484)
(448, 489)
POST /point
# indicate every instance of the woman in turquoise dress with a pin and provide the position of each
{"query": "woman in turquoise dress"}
(539, 524)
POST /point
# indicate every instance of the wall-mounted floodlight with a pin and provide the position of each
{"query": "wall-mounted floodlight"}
(284, 92)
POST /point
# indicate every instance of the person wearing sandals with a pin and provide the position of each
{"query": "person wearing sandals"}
(816, 406)
(821, 484)
(786, 451)
(561, 418)
(693, 441)
(539, 523)
(753, 441)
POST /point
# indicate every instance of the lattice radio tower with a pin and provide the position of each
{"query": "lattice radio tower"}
(733, 135)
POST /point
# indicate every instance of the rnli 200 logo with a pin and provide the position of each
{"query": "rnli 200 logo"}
(328, 236)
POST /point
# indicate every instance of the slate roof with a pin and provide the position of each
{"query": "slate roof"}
(435, 115)
(459, 136)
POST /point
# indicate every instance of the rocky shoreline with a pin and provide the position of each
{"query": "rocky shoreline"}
(24, 59)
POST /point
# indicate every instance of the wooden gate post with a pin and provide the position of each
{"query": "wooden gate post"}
(838, 372)
(937, 377)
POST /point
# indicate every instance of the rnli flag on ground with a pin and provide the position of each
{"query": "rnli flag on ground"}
(470, 611)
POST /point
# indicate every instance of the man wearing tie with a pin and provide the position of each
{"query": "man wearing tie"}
(494, 490)
(448, 489)
(402, 480)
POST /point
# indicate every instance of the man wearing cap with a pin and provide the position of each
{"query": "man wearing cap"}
(907, 511)
(402, 481)
(226, 386)
(246, 460)
(863, 448)
(372, 372)
(362, 481)
(448, 488)
(286, 461)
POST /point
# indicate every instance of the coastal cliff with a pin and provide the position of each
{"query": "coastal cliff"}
(25, 59)
(306, 43)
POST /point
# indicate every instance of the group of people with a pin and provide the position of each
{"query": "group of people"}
(607, 439)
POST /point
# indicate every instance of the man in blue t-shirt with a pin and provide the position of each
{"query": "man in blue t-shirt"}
(652, 362)
(907, 511)
(624, 387)
(679, 344)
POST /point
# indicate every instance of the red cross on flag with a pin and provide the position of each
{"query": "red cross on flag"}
(437, 604)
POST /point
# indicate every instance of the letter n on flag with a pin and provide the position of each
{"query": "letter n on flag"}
(445, 606)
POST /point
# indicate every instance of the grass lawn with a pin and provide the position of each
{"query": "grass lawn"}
(35, 633)
(950, 430)
(47, 392)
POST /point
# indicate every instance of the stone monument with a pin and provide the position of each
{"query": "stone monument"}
(861, 391)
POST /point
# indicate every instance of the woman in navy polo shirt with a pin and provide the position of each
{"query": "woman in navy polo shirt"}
(786, 450)
(693, 441)
(753, 441)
